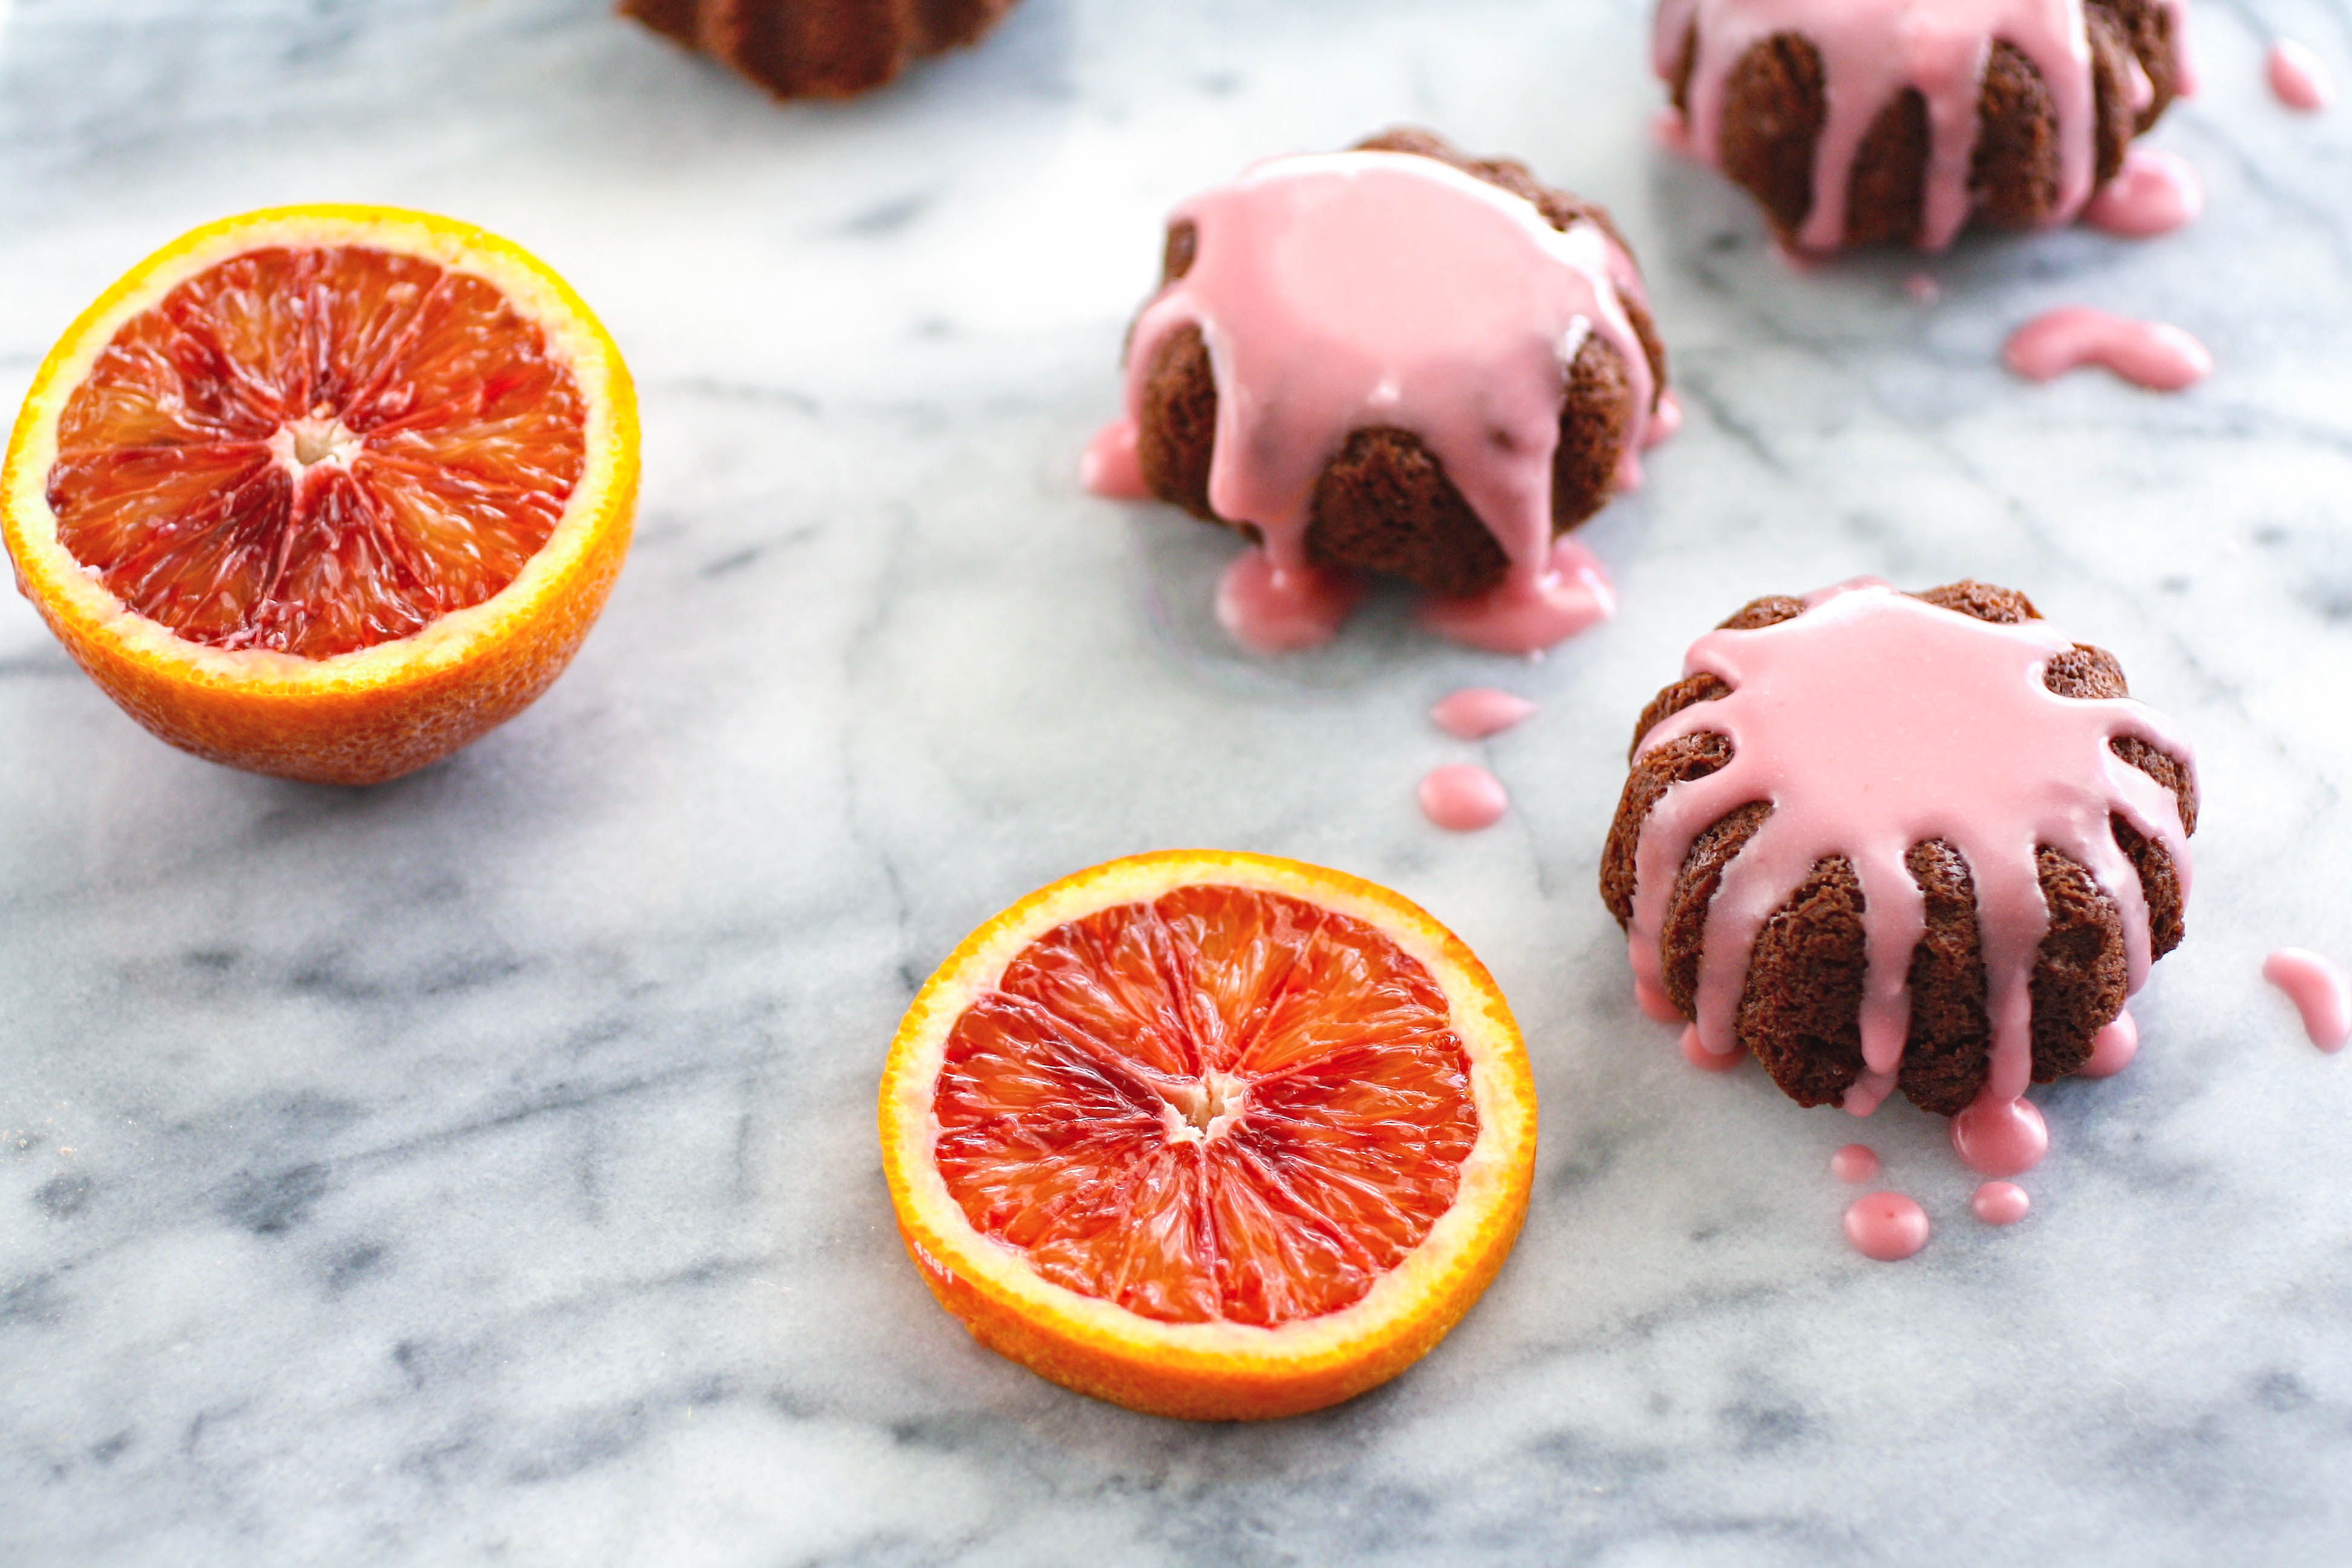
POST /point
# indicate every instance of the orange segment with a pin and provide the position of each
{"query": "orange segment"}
(1209, 1134)
(325, 492)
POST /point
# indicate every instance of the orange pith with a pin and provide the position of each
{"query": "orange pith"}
(1209, 1134)
(1224, 1103)
(316, 450)
(325, 492)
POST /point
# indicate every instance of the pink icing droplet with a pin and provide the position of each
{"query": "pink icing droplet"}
(1655, 1003)
(1270, 610)
(1695, 1052)
(1524, 616)
(1475, 713)
(1855, 1163)
(1923, 287)
(2298, 77)
(2154, 193)
(1353, 290)
(2112, 1049)
(2153, 355)
(1671, 131)
(1664, 419)
(2000, 1203)
(2319, 992)
(2000, 1137)
(1886, 1226)
(1111, 467)
(1463, 797)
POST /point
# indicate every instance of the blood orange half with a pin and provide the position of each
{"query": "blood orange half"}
(325, 492)
(1209, 1134)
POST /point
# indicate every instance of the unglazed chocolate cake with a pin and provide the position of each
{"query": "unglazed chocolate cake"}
(819, 48)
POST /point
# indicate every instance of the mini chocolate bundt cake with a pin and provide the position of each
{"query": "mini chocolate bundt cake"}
(819, 48)
(1860, 121)
(1395, 359)
(1885, 841)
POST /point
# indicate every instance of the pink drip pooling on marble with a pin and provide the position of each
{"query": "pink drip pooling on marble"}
(2000, 1203)
(2154, 193)
(1871, 51)
(1873, 722)
(1475, 713)
(1343, 290)
(2152, 355)
(1887, 1226)
(2113, 1048)
(2319, 990)
(1855, 1163)
(1695, 1052)
(2298, 78)
(1463, 797)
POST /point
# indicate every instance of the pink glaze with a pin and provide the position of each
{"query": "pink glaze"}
(2298, 77)
(1886, 1226)
(2112, 1049)
(2319, 993)
(2000, 1137)
(1475, 713)
(1871, 50)
(1923, 287)
(1522, 615)
(2000, 1203)
(2154, 193)
(1855, 1163)
(1695, 1052)
(1873, 722)
(1352, 289)
(1271, 610)
(1655, 1004)
(1111, 467)
(1463, 797)
(1664, 419)
(2147, 353)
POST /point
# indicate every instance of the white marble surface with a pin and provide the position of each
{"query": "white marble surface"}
(480, 1168)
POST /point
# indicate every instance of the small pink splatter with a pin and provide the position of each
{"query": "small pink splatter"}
(2000, 1137)
(1463, 797)
(2000, 1203)
(1886, 1226)
(2299, 78)
(1855, 1163)
(1477, 711)
(1923, 287)
(2319, 992)
(2152, 355)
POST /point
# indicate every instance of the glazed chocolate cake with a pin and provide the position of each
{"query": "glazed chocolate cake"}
(1900, 841)
(1860, 121)
(1386, 473)
(819, 48)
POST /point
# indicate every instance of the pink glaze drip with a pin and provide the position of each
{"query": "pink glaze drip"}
(1871, 50)
(1855, 1163)
(1695, 1052)
(1270, 610)
(2000, 1203)
(1111, 467)
(1351, 289)
(1886, 1226)
(1475, 713)
(2319, 992)
(1665, 420)
(2154, 193)
(2000, 1137)
(2299, 78)
(1875, 722)
(2153, 355)
(1463, 797)
(2112, 1049)
(1655, 1004)
(1524, 615)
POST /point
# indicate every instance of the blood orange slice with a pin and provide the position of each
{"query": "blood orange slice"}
(1209, 1134)
(325, 492)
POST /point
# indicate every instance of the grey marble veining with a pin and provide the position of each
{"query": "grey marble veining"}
(480, 1168)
